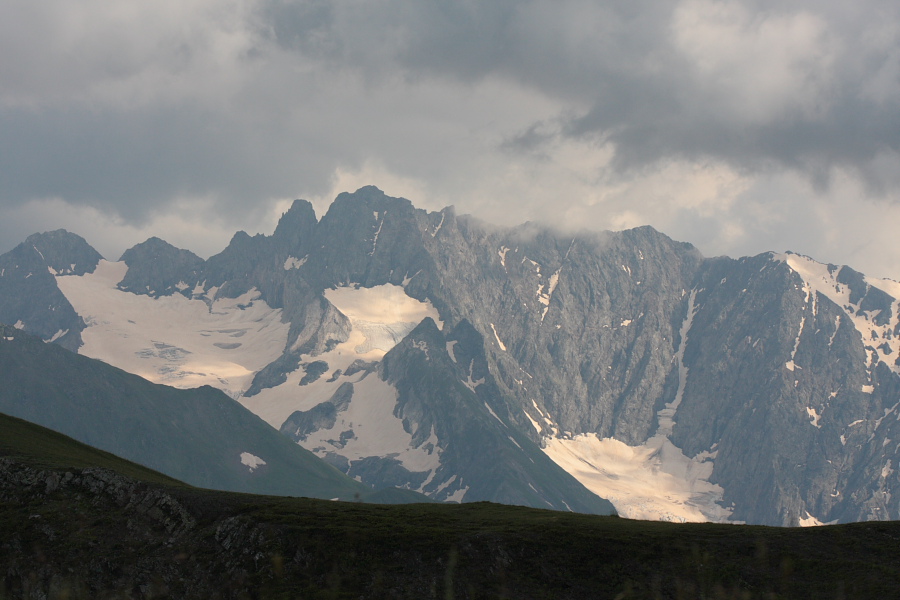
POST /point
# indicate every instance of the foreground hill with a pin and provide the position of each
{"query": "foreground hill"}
(200, 436)
(80, 523)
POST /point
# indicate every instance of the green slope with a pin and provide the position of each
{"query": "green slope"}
(69, 531)
(33, 445)
(196, 436)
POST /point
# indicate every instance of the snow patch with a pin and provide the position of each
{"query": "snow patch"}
(497, 337)
(471, 383)
(439, 225)
(666, 416)
(251, 461)
(813, 417)
(654, 481)
(386, 304)
(545, 292)
(377, 233)
(502, 253)
(57, 335)
(458, 495)
(868, 389)
(534, 423)
(450, 345)
(379, 317)
(493, 414)
(407, 278)
(376, 431)
(790, 365)
(294, 263)
(19, 324)
(384, 314)
(811, 521)
(421, 345)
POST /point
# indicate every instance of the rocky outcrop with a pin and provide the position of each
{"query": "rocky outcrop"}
(156, 268)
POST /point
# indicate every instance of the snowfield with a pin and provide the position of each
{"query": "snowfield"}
(174, 340)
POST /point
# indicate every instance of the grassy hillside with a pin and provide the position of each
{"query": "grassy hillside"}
(71, 530)
(37, 446)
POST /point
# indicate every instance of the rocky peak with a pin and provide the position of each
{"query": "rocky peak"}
(64, 252)
(157, 268)
(294, 232)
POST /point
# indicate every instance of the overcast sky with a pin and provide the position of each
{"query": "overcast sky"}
(739, 126)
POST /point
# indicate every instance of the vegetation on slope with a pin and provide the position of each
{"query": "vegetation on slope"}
(69, 530)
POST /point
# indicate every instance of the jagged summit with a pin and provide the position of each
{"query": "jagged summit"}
(157, 268)
(64, 252)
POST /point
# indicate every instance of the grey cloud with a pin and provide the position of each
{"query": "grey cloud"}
(132, 162)
(645, 94)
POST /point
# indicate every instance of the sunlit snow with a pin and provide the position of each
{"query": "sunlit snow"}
(810, 521)
(379, 316)
(813, 417)
(375, 430)
(654, 481)
(173, 340)
(497, 337)
(387, 305)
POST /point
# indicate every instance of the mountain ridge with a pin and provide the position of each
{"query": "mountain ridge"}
(700, 368)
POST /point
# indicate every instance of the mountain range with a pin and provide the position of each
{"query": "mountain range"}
(440, 354)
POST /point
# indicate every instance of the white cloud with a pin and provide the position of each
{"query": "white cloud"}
(757, 65)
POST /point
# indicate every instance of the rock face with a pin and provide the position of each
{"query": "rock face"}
(157, 268)
(470, 362)
(29, 296)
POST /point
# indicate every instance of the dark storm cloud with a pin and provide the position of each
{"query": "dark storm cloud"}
(129, 162)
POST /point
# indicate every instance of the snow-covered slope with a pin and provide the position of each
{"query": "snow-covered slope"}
(870, 305)
(379, 318)
(174, 340)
